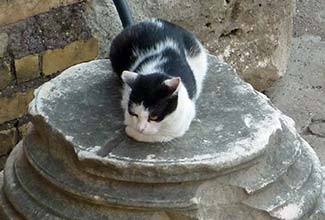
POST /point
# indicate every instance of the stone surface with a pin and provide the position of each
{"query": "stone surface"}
(74, 53)
(317, 125)
(3, 160)
(14, 106)
(91, 138)
(102, 18)
(5, 76)
(3, 44)
(310, 18)
(241, 159)
(299, 187)
(23, 130)
(8, 139)
(300, 93)
(27, 68)
(9, 9)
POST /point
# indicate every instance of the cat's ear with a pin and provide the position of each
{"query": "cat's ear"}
(173, 84)
(129, 77)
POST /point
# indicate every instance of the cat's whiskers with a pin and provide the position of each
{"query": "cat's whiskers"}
(167, 132)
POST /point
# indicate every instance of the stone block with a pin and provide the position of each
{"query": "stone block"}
(14, 106)
(5, 76)
(27, 68)
(3, 43)
(54, 29)
(2, 161)
(317, 125)
(8, 139)
(74, 53)
(23, 130)
(300, 93)
(9, 9)
(102, 18)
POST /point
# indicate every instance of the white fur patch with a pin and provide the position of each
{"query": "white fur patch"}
(156, 22)
(199, 67)
(152, 67)
(157, 50)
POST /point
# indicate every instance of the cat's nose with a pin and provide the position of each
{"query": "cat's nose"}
(142, 127)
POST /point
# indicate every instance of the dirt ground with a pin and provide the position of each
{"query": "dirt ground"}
(310, 18)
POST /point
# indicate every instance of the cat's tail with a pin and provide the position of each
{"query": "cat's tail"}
(124, 12)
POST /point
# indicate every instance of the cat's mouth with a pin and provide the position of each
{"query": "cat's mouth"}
(147, 131)
(144, 131)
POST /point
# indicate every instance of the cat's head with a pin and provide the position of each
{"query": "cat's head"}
(152, 98)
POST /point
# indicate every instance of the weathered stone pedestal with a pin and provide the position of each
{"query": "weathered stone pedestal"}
(241, 160)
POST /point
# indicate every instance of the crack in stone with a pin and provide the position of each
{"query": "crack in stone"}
(316, 126)
(15, 123)
(308, 131)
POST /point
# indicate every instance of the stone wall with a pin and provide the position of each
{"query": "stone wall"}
(38, 39)
(254, 37)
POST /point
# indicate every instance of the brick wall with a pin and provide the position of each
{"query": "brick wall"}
(38, 40)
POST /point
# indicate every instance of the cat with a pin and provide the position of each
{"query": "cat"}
(162, 67)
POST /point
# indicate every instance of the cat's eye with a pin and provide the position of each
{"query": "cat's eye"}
(133, 114)
(153, 117)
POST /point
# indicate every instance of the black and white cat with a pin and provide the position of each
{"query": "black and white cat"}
(163, 67)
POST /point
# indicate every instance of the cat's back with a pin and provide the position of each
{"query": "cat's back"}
(142, 37)
(148, 33)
